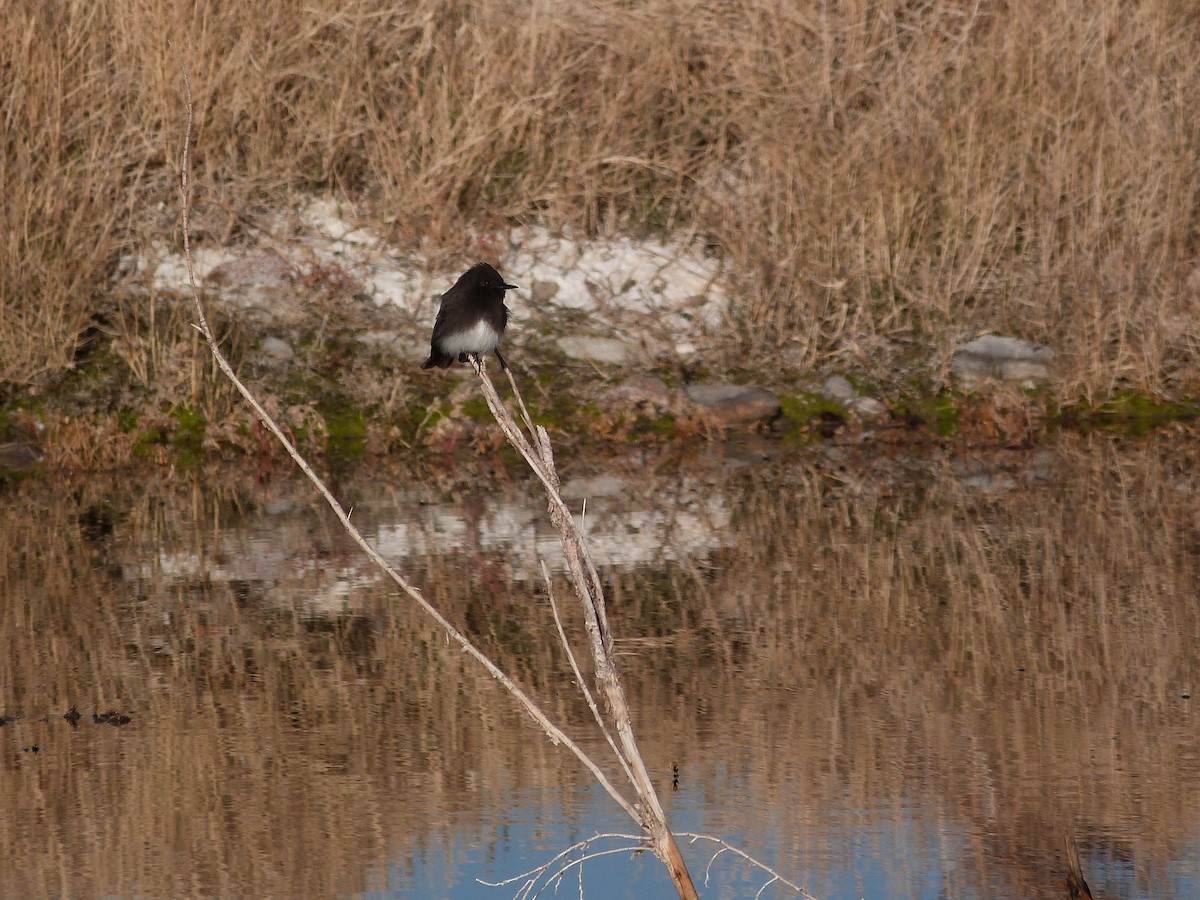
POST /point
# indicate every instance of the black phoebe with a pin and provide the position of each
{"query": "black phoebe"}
(470, 319)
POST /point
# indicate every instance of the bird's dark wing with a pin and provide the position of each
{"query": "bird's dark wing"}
(436, 356)
(439, 324)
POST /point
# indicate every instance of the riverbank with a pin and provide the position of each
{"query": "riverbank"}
(857, 191)
(614, 341)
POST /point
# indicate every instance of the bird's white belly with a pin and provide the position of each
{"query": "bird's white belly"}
(479, 338)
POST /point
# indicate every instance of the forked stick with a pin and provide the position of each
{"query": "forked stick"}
(555, 733)
(537, 452)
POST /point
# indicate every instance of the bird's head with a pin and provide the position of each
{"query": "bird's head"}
(484, 277)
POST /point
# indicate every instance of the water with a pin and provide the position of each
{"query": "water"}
(884, 675)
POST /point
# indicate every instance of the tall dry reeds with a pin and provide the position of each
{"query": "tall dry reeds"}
(884, 177)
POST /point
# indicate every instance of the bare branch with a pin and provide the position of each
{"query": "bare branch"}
(538, 453)
(579, 679)
(520, 402)
(579, 862)
(540, 878)
(590, 592)
(535, 872)
(553, 731)
(729, 848)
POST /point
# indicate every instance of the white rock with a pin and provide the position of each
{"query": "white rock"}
(594, 349)
(996, 356)
(867, 406)
(278, 349)
(839, 389)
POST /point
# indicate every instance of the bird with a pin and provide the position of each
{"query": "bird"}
(471, 318)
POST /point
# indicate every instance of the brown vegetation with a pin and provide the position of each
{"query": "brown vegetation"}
(880, 175)
(997, 665)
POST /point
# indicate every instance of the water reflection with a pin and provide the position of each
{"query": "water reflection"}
(885, 675)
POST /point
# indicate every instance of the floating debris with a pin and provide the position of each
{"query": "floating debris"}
(112, 717)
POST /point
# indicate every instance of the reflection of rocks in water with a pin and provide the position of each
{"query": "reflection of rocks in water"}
(17, 456)
(877, 656)
(1003, 471)
(277, 560)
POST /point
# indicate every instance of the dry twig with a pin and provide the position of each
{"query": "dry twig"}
(647, 812)
(553, 731)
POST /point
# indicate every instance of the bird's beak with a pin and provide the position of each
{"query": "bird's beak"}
(508, 287)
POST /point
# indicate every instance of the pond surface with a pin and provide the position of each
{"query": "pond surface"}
(883, 674)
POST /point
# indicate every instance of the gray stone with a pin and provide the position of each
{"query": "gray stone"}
(17, 456)
(996, 356)
(253, 282)
(838, 389)
(981, 475)
(594, 349)
(642, 387)
(278, 349)
(261, 270)
(640, 391)
(542, 292)
(867, 406)
(596, 486)
(732, 404)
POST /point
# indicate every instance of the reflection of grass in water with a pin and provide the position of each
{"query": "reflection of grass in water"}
(858, 648)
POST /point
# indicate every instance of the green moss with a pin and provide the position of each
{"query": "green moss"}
(946, 415)
(477, 408)
(803, 411)
(345, 432)
(303, 436)
(940, 411)
(802, 408)
(419, 417)
(149, 439)
(127, 419)
(435, 416)
(663, 426)
(1134, 413)
(189, 434)
(558, 409)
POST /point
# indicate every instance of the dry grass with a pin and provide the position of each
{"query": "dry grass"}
(879, 174)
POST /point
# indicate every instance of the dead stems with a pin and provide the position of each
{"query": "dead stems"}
(553, 731)
(536, 449)
(591, 597)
